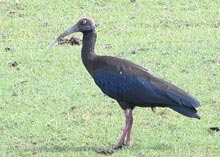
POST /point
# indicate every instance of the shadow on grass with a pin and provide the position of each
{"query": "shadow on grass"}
(87, 148)
(56, 148)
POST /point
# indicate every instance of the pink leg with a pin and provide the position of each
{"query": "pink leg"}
(128, 136)
(127, 130)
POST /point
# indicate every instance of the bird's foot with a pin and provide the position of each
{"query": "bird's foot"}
(127, 145)
(113, 149)
(109, 151)
(116, 147)
(120, 146)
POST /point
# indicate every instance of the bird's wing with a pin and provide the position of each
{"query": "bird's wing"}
(129, 82)
(121, 87)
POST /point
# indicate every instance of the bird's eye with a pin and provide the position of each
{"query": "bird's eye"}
(84, 22)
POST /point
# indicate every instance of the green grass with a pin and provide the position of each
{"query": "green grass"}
(49, 105)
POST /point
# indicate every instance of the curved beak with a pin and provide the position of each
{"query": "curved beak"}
(65, 33)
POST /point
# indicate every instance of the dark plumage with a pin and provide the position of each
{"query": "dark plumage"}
(128, 83)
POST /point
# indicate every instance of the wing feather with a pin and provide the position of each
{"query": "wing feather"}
(131, 83)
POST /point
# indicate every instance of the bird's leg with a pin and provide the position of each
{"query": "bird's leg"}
(130, 118)
(127, 130)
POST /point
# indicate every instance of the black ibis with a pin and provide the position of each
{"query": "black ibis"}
(129, 84)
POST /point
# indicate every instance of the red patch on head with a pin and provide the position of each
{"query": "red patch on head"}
(91, 20)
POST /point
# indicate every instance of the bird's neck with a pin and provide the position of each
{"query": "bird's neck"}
(88, 50)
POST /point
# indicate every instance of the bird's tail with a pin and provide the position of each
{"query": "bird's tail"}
(185, 110)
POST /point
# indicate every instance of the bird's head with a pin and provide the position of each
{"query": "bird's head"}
(83, 25)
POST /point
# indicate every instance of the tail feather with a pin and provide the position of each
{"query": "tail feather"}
(184, 98)
(185, 103)
(185, 110)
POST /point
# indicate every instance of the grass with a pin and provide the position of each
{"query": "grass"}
(49, 105)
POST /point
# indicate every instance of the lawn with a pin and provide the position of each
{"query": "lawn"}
(50, 106)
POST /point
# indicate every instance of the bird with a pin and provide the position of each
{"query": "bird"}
(129, 84)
